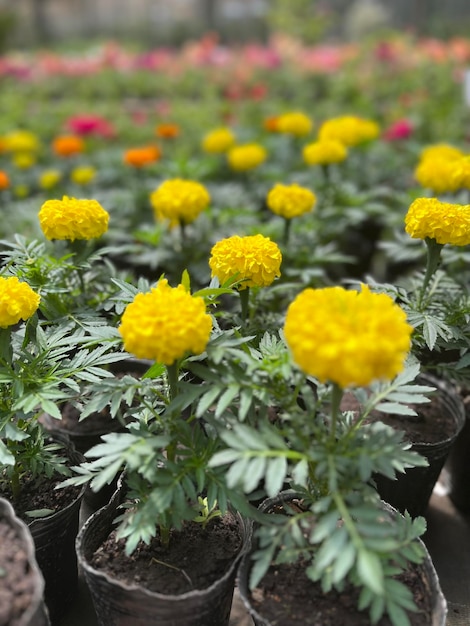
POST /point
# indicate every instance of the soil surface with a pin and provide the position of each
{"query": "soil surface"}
(288, 598)
(17, 580)
(195, 558)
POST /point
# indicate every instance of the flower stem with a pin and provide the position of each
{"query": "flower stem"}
(336, 396)
(172, 373)
(287, 229)
(244, 301)
(433, 259)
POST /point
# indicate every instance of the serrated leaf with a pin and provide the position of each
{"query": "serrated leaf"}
(369, 569)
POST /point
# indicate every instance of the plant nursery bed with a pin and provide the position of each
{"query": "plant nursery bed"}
(447, 539)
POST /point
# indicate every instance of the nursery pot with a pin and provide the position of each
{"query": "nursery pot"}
(54, 539)
(458, 463)
(411, 491)
(119, 604)
(426, 572)
(21, 583)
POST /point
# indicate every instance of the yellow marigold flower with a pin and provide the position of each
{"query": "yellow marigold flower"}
(294, 123)
(179, 201)
(246, 157)
(290, 200)
(349, 130)
(441, 151)
(438, 174)
(255, 260)
(21, 141)
(72, 219)
(442, 221)
(4, 180)
(68, 145)
(49, 179)
(21, 191)
(24, 160)
(83, 175)
(347, 337)
(324, 152)
(218, 140)
(165, 324)
(462, 172)
(17, 301)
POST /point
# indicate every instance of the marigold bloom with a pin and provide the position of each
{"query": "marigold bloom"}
(218, 141)
(294, 123)
(441, 151)
(349, 130)
(167, 130)
(24, 160)
(290, 200)
(21, 141)
(138, 157)
(255, 260)
(83, 175)
(442, 221)
(438, 174)
(324, 152)
(49, 179)
(347, 337)
(72, 219)
(165, 324)
(270, 123)
(179, 201)
(17, 301)
(68, 145)
(246, 157)
(4, 180)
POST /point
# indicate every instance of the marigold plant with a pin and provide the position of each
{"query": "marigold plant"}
(4, 180)
(49, 179)
(439, 174)
(347, 337)
(71, 219)
(24, 160)
(294, 123)
(254, 260)
(246, 157)
(21, 141)
(179, 201)
(83, 175)
(218, 141)
(290, 201)
(444, 151)
(17, 301)
(349, 130)
(324, 152)
(165, 324)
(444, 222)
(139, 157)
(68, 145)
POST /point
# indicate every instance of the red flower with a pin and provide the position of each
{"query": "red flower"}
(401, 129)
(90, 125)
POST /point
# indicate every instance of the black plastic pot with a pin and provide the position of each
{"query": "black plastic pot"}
(458, 463)
(35, 613)
(412, 490)
(119, 604)
(54, 539)
(426, 568)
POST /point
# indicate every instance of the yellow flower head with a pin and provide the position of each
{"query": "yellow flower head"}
(347, 337)
(165, 324)
(294, 123)
(349, 130)
(83, 175)
(17, 301)
(246, 157)
(255, 260)
(324, 152)
(290, 200)
(442, 221)
(21, 141)
(441, 151)
(179, 201)
(49, 179)
(218, 140)
(72, 219)
(24, 160)
(438, 174)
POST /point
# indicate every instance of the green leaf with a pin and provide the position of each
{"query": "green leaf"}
(39, 513)
(275, 475)
(369, 569)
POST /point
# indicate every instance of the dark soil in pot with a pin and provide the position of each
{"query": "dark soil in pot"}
(194, 559)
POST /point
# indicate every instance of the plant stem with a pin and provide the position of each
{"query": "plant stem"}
(336, 396)
(172, 374)
(244, 300)
(433, 259)
(287, 229)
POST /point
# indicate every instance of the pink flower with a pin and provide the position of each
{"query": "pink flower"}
(90, 125)
(401, 129)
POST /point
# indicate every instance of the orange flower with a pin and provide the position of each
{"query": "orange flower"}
(271, 124)
(138, 157)
(4, 180)
(68, 145)
(167, 130)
